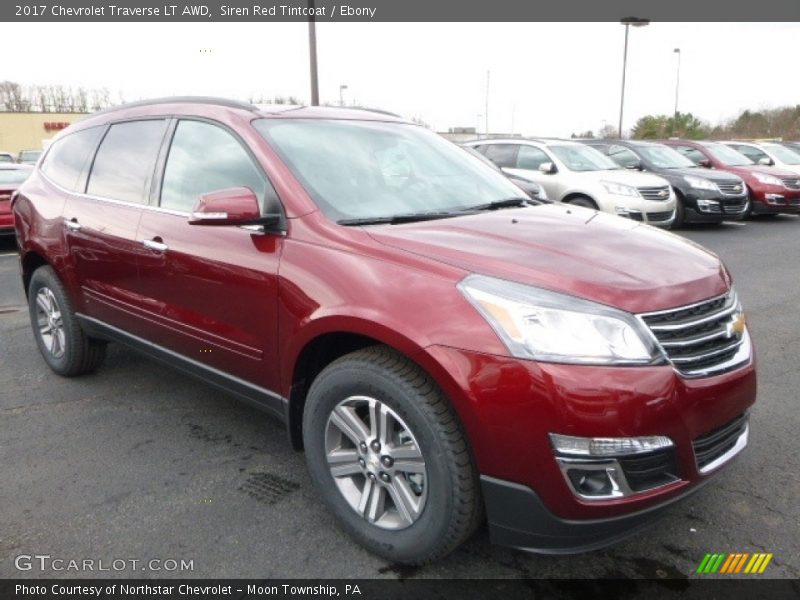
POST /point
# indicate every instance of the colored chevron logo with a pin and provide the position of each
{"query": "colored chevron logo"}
(734, 563)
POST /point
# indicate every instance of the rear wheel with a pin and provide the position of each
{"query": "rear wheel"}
(389, 458)
(61, 341)
(680, 212)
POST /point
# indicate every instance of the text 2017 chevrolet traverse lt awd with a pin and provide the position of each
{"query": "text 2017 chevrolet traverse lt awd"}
(443, 351)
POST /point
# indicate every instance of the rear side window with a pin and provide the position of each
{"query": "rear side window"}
(123, 167)
(503, 155)
(206, 158)
(750, 152)
(68, 156)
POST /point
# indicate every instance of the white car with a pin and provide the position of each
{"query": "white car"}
(574, 173)
(769, 154)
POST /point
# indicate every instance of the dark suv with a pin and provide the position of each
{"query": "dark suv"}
(703, 196)
(433, 342)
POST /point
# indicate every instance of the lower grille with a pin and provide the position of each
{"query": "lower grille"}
(703, 338)
(647, 471)
(792, 183)
(734, 207)
(721, 444)
(660, 193)
(731, 188)
(655, 217)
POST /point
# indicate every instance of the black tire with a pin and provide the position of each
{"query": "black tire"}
(680, 211)
(453, 507)
(79, 354)
(749, 210)
(583, 201)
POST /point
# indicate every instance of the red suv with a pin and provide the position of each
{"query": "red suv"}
(772, 190)
(443, 350)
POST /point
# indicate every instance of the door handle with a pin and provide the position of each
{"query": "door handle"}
(155, 245)
(72, 224)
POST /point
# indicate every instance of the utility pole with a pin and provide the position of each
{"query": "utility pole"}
(627, 22)
(677, 79)
(312, 54)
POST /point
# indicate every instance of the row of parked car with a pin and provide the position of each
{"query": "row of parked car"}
(665, 183)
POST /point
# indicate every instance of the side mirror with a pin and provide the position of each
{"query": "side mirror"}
(232, 206)
(637, 166)
(704, 162)
(547, 168)
(766, 161)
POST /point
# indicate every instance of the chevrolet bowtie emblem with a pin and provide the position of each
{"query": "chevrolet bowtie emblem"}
(663, 193)
(737, 325)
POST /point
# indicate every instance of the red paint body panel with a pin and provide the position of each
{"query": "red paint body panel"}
(248, 304)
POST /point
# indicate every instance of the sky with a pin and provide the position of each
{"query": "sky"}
(549, 79)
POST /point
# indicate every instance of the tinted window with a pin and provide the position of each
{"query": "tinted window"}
(124, 164)
(623, 156)
(14, 175)
(692, 154)
(530, 158)
(503, 155)
(68, 156)
(205, 158)
(750, 152)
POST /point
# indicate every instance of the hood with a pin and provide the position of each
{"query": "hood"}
(710, 174)
(572, 250)
(746, 170)
(626, 176)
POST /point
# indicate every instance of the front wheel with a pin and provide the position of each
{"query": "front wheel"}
(388, 456)
(62, 342)
(583, 201)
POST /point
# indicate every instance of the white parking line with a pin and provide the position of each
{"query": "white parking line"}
(8, 254)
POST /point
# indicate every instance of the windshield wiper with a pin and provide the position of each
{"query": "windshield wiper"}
(395, 219)
(504, 203)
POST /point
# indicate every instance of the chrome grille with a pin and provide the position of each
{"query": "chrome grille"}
(703, 338)
(734, 207)
(721, 444)
(731, 188)
(793, 183)
(656, 217)
(660, 193)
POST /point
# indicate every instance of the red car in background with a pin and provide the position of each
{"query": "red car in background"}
(772, 191)
(11, 177)
(442, 350)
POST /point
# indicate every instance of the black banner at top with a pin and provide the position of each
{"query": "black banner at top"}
(396, 10)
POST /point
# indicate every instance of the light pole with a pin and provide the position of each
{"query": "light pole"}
(341, 97)
(478, 126)
(677, 79)
(312, 54)
(627, 21)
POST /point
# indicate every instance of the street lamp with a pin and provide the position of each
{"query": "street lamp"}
(628, 22)
(341, 98)
(677, 79)
(312, 54)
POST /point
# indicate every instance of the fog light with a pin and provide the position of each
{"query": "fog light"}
(568, 445)
(590, 483)
(774, 198)
(707, 205)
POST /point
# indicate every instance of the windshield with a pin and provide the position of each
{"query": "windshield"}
(728, 156)
(784, 154)
(372, 170)
(664, 157)
(577, 157)
(13, 175)
(6, 158)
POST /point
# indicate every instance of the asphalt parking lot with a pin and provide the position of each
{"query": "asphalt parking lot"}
(138, 462)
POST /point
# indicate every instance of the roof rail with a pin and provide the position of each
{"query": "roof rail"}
(182, 100)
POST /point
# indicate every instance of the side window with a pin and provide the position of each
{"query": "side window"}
(123, 167)
(503, 155)
(206, 158)
(530, 157)
(67, 157)
(750, 152)
(482, 148)
(623, 156)
(693, 154)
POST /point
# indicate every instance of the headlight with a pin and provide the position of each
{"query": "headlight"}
(701, 183)
(548, 326)
(620, 189)
(767, 179)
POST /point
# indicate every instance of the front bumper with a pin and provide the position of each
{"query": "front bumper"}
(705, 206)
(510, 406)
(772, 200)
